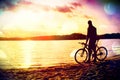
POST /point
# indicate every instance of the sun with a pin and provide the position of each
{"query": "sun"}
(25, 19)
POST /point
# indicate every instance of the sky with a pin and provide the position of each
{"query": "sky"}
(26, 18)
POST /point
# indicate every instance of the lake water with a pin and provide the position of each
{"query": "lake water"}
(24, 54)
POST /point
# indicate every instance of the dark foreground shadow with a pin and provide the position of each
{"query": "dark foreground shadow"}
(106, 70)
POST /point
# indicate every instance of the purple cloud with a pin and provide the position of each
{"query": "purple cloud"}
(8, 3)
(68, 8)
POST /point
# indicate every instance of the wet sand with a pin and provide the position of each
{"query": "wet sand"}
(106, 70)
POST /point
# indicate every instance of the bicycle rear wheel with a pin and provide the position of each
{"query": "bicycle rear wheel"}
(81, 56)
(101, 53)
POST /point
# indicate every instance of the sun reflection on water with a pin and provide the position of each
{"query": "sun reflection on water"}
(27, 48)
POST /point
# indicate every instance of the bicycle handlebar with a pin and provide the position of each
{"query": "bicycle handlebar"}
(82, 43)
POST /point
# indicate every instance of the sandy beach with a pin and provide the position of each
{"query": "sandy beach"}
(106, 70)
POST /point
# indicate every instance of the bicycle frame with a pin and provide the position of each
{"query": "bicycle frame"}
(86, 45)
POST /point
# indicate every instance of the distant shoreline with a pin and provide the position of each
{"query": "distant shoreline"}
(74, 36)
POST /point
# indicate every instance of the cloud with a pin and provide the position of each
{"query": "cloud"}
(69, 8)
(4, 4)
(76, 4)
(64, 9)
(60, 6)
(87, 17)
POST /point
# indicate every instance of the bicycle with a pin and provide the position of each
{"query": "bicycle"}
(81, 55)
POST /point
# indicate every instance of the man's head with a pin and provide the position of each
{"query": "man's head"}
(90, 22)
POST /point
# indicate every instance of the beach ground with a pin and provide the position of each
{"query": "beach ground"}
(106, 70)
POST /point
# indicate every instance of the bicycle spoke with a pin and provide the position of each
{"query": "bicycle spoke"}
(80, 56)
(101, 53)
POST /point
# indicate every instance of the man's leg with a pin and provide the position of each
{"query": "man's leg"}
(90, 52)
(95, 54)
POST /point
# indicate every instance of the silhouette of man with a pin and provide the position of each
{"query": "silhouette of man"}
(91, 40)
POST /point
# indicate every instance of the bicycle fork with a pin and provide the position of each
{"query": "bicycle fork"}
(82, 52)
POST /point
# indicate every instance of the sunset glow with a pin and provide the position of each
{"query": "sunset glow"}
(36, 17)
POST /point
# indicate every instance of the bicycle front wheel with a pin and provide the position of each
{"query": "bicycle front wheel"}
(102, 53)
(80, 55)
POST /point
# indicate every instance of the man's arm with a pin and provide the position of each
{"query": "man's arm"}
(87, 37)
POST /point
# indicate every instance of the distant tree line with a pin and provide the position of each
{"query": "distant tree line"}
(110, 36)
(73, 36)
